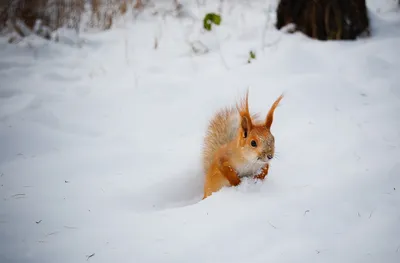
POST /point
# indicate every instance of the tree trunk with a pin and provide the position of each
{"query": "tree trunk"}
(325, 19)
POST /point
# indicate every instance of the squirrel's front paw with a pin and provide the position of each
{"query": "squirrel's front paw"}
(262, 173)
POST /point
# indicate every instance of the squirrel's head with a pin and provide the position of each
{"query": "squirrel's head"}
(255, 139)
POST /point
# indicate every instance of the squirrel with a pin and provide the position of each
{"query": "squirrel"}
(237, 145)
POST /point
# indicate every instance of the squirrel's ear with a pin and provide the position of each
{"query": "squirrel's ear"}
(246, 125)
(245, 117)
(270, 115)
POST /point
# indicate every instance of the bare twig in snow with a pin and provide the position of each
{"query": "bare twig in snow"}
(38, 222)
(52, 233)
(220, 51)
(126, 50)
(370, 215)
(178, 6)
(264, 32)
(138, 4)
(18, 196)
(305, 212)
(88, 257)
(272, 225)
(155, 43)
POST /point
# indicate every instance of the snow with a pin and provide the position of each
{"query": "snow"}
(101, 143)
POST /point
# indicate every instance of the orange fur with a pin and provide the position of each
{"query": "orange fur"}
(270, 115)
(237, 146)
(263, 173)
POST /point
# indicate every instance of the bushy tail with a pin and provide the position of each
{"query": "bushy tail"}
(221, 130)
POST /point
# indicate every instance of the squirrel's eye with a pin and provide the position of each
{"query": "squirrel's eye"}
(253, 143)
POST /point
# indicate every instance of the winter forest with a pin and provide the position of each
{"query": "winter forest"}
(114, 146)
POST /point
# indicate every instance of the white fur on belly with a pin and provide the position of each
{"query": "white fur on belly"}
(249, 169)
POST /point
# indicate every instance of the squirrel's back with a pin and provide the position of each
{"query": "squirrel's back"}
(221, 130)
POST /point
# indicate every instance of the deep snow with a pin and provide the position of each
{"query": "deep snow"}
(100, 144)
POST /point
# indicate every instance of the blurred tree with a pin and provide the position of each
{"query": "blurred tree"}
(325, 19)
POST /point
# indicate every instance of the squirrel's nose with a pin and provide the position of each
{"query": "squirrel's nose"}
(269, 156)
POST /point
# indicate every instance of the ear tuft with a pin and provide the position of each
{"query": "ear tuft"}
(245, 123)
(246, 126)
(270, 115)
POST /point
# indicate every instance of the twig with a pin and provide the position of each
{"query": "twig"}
(271, 224)
(88, 257)
(155, 43)
(126, 44)
(220, 52)
(158, 36)
(38, 222)
(264, 32)
(52, 233)
(305, 212)
(16, 195)
(370, 215)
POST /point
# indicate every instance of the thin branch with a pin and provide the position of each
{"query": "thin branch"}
(220, 51)
(272, 225)
(89, 256)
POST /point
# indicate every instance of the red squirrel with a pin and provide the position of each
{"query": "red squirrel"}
(237, 145)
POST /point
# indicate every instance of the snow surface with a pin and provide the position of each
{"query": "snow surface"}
(101, 141)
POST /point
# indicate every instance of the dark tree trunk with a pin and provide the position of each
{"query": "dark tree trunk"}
(325, 19)
(52, 15)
